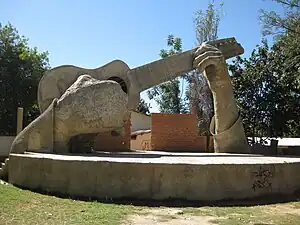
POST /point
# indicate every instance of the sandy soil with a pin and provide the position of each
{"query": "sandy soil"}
(168, 216)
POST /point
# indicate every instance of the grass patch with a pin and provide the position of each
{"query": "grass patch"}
(274, 214)
(19, 206)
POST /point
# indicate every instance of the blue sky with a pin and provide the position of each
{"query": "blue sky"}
(92, 33)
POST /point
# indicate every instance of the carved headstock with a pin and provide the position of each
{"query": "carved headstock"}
(228, 46)
(149, 75)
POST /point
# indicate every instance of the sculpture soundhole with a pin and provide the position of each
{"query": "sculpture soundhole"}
(121, 82)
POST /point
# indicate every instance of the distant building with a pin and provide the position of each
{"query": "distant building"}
(140, 121)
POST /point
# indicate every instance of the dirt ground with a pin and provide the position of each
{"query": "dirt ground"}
(258, 215)
(169, 216)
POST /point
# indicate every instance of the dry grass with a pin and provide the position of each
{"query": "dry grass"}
(19, 206)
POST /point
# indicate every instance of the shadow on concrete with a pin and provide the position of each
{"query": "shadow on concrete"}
(2, 158)
(176, 203)
(265, 200)
(168, 154)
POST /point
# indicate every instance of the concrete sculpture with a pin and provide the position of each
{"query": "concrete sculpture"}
(226, 125)
(76, 101)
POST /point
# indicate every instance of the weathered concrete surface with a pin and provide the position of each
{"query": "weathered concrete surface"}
(57, 80)
(157, 72)
(38, 135)
(226, 125)
(5, 143)
(73, 103)
(89, 106)
(157, 175)
(140, 121)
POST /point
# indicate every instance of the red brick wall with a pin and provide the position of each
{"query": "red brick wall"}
(107, 142)
(175, 132)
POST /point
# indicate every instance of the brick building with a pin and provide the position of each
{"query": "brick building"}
(160, 131)
(171, 132)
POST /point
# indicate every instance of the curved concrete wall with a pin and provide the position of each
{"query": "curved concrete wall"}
(157, 176)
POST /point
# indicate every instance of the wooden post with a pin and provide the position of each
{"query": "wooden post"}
(19, 120)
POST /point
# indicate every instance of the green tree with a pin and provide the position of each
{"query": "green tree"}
(276, 24)
(198, 93)
(143, 107)
(286, 30)
(287, 48)
(168, 95)
(21, 67)
(265, 88)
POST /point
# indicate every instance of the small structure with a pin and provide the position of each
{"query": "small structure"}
(140, 121)
(141, 140)
(171, 132)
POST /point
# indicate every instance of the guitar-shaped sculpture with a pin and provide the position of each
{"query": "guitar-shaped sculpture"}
(133, 81)
(76, 100)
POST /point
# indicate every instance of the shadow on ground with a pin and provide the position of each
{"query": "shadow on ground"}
(261, 200)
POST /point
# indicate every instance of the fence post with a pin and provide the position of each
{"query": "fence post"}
(19, 120)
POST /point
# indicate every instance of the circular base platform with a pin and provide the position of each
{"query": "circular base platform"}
(157, 175)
